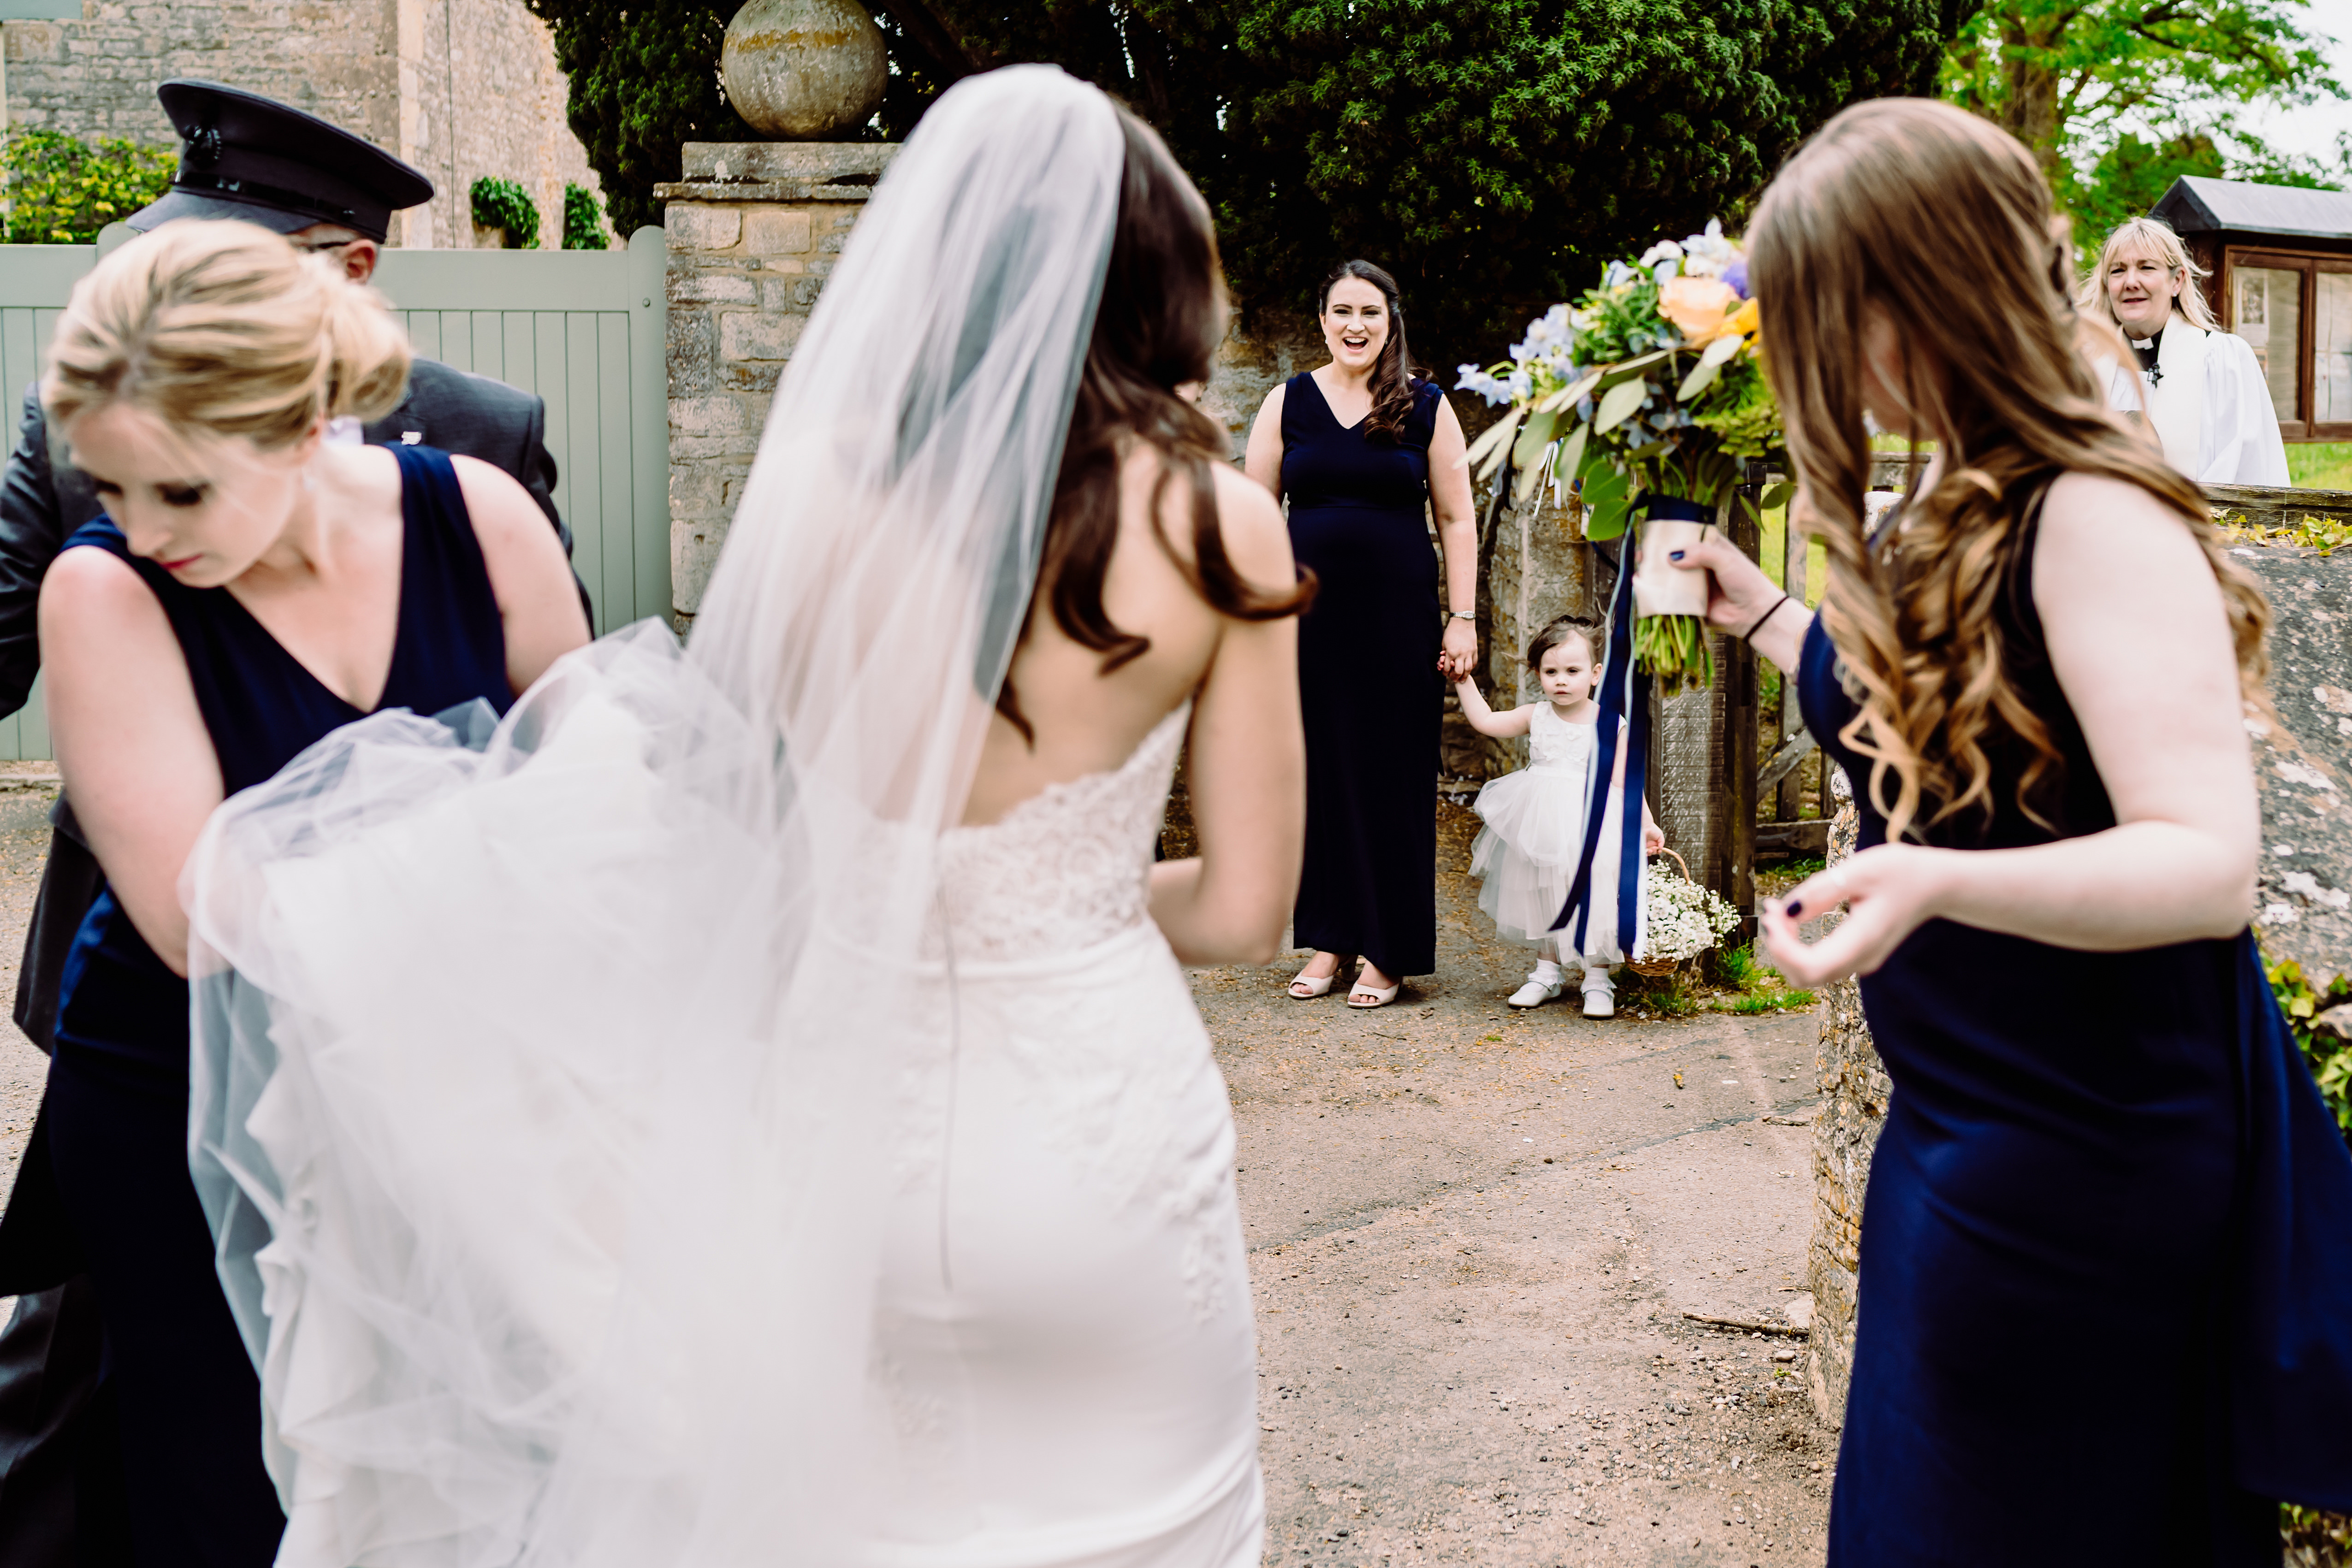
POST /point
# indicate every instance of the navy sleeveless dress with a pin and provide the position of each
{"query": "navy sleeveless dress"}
(1368, 680)
(2106, 1293)
(189, 1402)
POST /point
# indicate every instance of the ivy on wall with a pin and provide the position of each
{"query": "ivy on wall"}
(583, 219)
(503, 205)
(61, 190)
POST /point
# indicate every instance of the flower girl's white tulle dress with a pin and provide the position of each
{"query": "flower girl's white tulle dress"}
(1533, 833)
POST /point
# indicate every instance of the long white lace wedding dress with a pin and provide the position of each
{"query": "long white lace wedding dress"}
(1065, 1256)
(643, 1130)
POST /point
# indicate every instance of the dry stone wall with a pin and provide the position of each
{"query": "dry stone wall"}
(754, 229)
(458, 88)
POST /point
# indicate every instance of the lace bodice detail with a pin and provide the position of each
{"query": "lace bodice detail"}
(1553, 742)
(1063, 870)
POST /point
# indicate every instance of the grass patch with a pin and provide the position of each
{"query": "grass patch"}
(2320, 466)
(1769, 1002)
(1669, 996)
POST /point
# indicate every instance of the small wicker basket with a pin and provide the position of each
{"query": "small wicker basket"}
(1656, 967)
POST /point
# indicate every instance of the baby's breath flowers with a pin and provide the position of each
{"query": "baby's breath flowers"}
(1684, 919)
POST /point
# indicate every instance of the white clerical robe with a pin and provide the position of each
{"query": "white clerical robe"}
(2211, 407)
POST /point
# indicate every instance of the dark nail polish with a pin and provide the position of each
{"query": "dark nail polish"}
(1673, 555)
(1792, 909)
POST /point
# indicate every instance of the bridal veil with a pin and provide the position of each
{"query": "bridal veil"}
(542, 1063)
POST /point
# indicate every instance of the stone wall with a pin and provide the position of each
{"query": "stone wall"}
(458, 88)
(753, 229)
(480, 94)
(1854, 1092)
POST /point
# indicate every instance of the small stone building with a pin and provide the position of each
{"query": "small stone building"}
(461, 89)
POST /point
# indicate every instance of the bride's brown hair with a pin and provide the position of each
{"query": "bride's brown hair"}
(1887, 203)
(1162, 315)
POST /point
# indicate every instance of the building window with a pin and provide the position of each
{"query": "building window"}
(2296, 313)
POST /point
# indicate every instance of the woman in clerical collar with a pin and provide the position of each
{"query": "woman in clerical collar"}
(2201, 389)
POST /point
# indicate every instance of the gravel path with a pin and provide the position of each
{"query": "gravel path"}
(1474, 1233)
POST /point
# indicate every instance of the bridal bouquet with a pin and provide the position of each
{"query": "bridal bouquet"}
(1649, 393)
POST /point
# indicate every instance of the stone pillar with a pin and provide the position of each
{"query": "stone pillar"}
(753, 230)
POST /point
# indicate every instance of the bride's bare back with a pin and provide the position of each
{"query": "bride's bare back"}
(1246, 777)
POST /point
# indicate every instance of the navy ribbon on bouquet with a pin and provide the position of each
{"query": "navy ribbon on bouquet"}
(1625, 694)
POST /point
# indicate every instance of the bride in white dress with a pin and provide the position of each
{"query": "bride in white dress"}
(745, 1107)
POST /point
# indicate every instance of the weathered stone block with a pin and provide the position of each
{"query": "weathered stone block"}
(775, 231)
(710, 416)
(823, 162)
(697, 226)
(756, 377)
(700, 286)
(758, 335)
(690, 347)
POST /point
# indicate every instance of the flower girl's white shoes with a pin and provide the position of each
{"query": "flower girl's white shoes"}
(1544, 982)
(1535, 993)
(1600, 1000)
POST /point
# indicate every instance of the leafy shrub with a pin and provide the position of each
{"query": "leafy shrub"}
(2329, 1053)
(503, 205)
(62, 190)
(2313, 1539)
(583, 219)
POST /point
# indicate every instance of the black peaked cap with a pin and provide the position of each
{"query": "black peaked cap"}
(245, 156)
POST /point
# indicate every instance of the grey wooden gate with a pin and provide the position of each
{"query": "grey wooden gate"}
(584, 330)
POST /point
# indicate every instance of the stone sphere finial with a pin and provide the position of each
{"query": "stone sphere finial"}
(803, 69)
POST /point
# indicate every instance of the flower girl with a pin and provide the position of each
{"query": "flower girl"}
(1535, 818)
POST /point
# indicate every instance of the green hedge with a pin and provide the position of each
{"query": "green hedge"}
(61, 190)
(583, 219)
(503, 205)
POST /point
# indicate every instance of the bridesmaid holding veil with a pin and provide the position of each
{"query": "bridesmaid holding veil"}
(1364, 450)
(250, 589)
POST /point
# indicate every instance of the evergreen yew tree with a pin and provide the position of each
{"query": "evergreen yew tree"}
(1491, 153)
(645, 80)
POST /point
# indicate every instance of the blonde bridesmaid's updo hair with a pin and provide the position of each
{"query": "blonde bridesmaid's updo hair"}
(220, 330)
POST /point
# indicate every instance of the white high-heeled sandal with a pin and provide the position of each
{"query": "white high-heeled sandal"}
(1378, 997)
(1315, 986)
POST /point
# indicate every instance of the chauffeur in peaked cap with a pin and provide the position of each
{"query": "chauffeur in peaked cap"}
(329, 192)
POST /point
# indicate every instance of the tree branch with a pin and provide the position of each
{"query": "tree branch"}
(921, 26)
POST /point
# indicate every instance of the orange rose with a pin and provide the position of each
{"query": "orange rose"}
(1697, 306)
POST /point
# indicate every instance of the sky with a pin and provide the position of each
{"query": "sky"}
(2311, 129)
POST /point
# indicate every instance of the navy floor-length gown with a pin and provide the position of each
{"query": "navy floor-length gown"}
(1368, 680)
(2106, 1292)
(189, 1401)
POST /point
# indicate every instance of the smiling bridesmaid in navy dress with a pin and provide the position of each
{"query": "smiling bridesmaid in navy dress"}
(1365, 452)
(2105, 1291)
